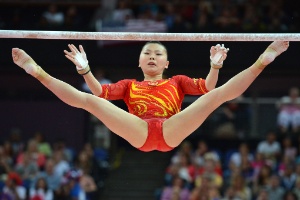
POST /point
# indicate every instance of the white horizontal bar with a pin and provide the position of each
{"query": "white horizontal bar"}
(67, 35)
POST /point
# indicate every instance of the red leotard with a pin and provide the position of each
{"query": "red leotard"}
(154, 100)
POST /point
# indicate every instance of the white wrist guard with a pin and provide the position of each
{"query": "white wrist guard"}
(84, 71)
(82, 63)
(217, 59)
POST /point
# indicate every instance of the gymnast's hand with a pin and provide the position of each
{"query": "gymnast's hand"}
(78, 58)
(218, 54)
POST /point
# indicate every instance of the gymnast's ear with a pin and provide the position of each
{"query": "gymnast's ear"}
(167, 65)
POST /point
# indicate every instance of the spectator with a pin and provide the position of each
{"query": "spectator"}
(241, 190)
(228, 20)
(237, 157)
(274, 189)
(6, 162)
(286, 161)
(270, 148)
(258, 163)
(176, 190)
(276, 17)
(297, 170)
(41, 191)
(60, 145)
(289, 111)
(179, 25)
(184, 166)
(202, 191)
(99, 160)
(32, 153)
(171, 172)
(89, 167)
(71, 187)
(61, 165)
(53, 17)
(229, 194)
(288, 180)
(288, 149)
(209, 170)
(27, 169)
(251, 19)
(148, 9)
(214, 193)
(7, 152)
(296, 190)
(13, 188)
(246, 170)
(73, 20)
(15, 139)
(262, 179)
(170, 15)
(52, 179)
(88, 185)
(43, 146)
(263, 195)
(122, 12)
(203, 150)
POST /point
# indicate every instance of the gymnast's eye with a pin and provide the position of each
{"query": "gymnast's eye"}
(147, 53)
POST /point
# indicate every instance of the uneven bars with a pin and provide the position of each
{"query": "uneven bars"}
(68, 35)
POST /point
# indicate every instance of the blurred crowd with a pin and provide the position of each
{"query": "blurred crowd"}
(40, 170)
(270, 171)
(156, 16)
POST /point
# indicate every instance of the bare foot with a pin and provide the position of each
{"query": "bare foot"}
(273, 50)
(23, 60)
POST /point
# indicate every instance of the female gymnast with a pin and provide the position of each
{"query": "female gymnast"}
(154, 121)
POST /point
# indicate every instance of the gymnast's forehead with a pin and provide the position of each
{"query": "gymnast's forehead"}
(155, 46)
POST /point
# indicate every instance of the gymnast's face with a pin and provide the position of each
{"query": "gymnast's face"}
(153, 59)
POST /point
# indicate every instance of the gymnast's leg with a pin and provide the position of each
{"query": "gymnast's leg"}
(181, 125)
(128, 126)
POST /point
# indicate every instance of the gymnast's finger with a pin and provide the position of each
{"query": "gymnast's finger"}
(73, 48)
(68, 53)
(81, 49)
(70, 58)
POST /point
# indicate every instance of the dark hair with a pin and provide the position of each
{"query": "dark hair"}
(41, 179)
(157, 42)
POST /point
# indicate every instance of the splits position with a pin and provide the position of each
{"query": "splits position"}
(155, 120)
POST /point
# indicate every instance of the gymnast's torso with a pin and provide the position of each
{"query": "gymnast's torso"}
(154, 99)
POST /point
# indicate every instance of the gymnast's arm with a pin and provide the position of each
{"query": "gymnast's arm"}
(218, 54)
(93, 84)
(79, 58)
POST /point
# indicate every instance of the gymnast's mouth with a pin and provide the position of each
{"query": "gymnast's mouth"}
(152, 63)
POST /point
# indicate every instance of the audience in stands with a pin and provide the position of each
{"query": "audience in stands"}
(47, 174)
(180, 16)
(268, 171)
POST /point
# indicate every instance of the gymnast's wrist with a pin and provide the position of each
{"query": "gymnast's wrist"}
(214, 66)
(84, 71)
